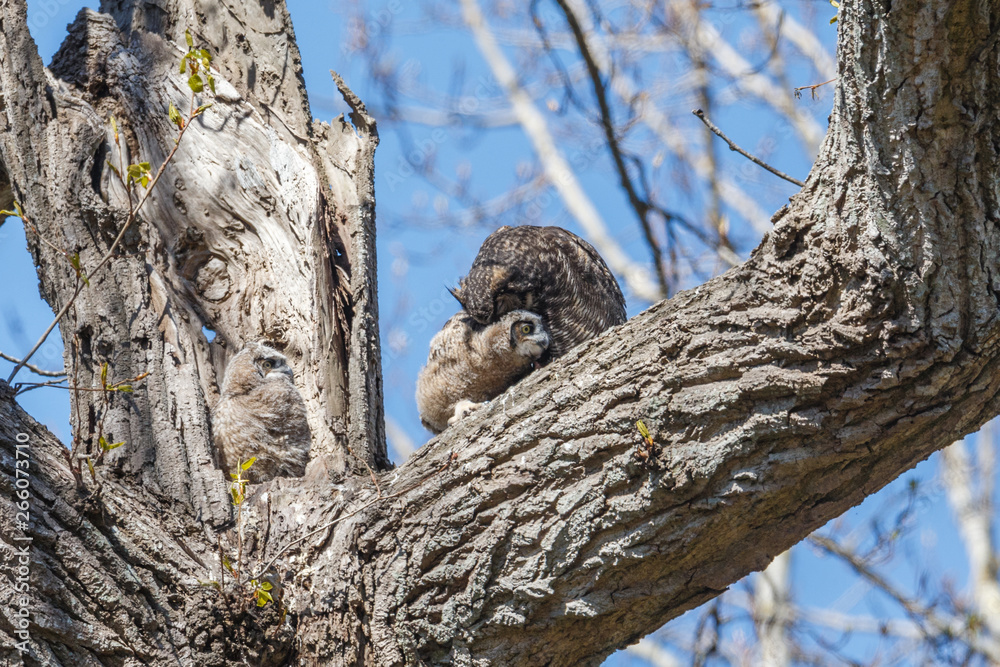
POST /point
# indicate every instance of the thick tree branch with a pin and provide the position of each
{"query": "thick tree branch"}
(861, 335)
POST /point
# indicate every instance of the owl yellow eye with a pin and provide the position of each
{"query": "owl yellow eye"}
(267, 365)
(527, 328)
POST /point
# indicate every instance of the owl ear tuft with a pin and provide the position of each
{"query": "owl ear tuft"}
(457, 293)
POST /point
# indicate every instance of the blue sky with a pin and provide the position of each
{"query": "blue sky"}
(417, 264)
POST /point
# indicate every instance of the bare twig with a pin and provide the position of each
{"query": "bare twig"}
(640, 206)
(733, 147)
(557, 169)
(34, 369)
(931, 623)
(24, 387)
(812, 88)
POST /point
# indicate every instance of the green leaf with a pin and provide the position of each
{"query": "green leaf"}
(114, 128)
(134, 172)
(90, 466)
(114, 169)
(833, 20)
(246, 466)
(104, 366)
(266, 586)
(200, 110)
(144, 181)
(188, 39)
(211, 84)
(125, 388)
(16, 212)
(263, 597)
(228, 565)
(643, 431)
(175, 116)
(196, 84)
(106, 446)
(206, 57)
(184, 64)
(144, 166)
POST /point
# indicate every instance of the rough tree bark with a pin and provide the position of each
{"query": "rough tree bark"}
(861, 336)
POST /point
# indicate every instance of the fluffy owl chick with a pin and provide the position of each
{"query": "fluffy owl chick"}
(470, 363)
(261, 414)
(549, 271)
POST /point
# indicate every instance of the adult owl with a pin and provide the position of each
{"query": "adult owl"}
(261, 414)
(549, 271)
(470, 363)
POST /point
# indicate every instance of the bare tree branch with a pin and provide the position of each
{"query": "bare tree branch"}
(554, 164)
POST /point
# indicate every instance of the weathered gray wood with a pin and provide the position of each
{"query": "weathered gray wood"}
(861, 336)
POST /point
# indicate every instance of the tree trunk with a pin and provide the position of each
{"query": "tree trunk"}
(861, 336)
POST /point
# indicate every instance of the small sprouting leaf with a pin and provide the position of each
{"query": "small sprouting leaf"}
(133, 172)
(211, 582)
(144, 180)
(228, 565)
(263, 597)
(16, 212)
(175, 116)
(236, 495)
(184, 64)
(246, 466)
(202, 108)
(125, 388)
(90, 466)
(196, 84)
(188, 39)
(108, 446)
(266, 586)
(833, 20)
(211, 83)
(114, 128)
(114, 169)
(104, 366)
(643, 431)
(74, 260)
(206, 57)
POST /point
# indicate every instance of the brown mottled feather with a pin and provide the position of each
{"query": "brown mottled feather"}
(474, 362)
(546, 270)
(261, 414)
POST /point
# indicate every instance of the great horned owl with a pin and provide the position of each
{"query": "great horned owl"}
(261, 414)
(470, 363)
(549, 271)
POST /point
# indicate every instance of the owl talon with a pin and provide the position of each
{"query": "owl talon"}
(463, 408)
